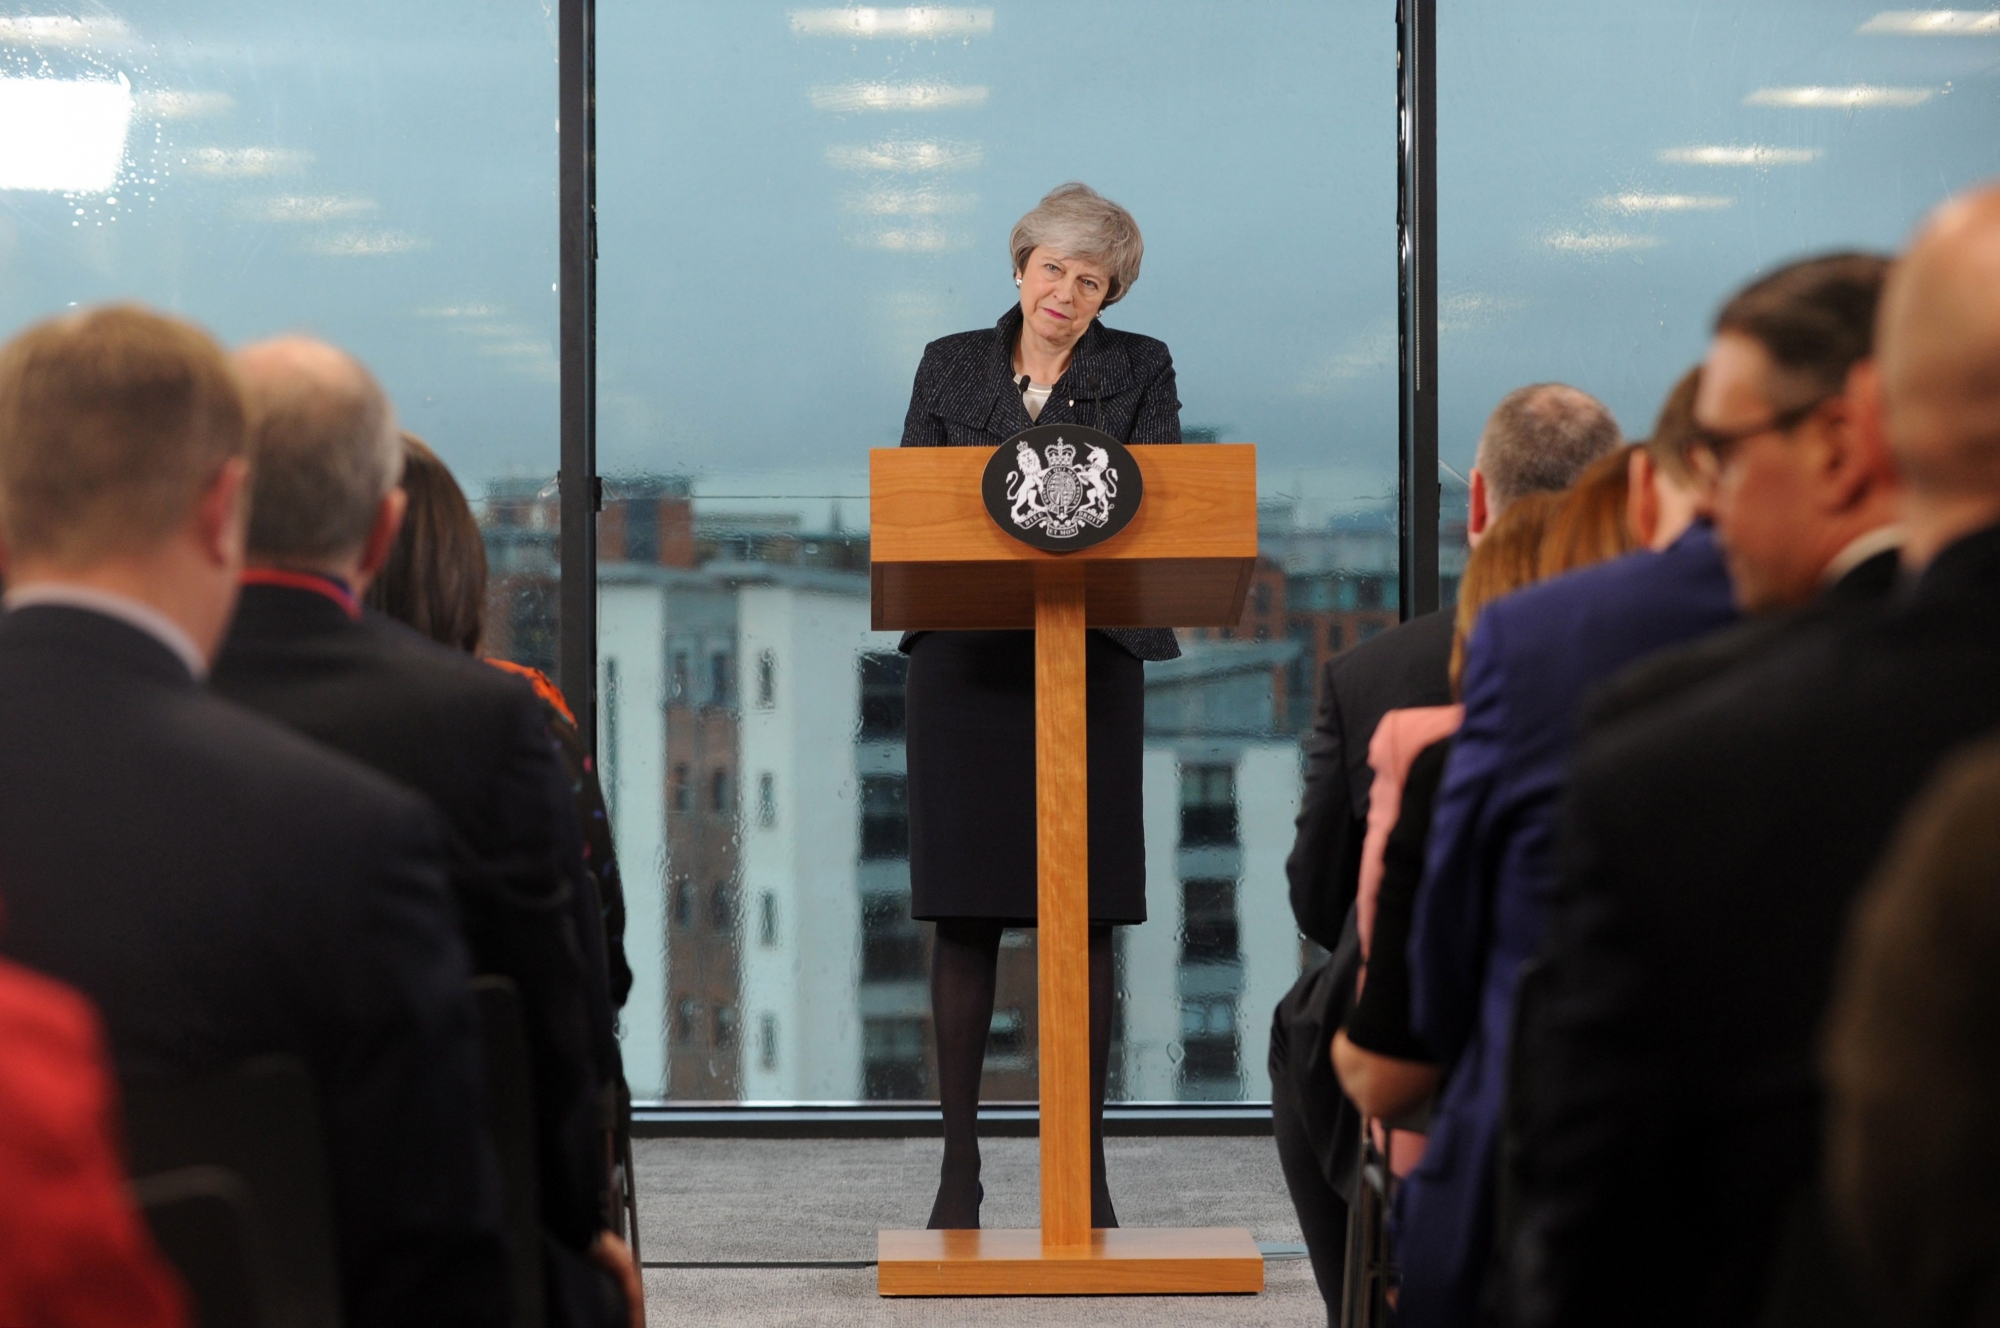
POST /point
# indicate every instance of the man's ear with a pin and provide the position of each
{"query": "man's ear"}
(222, 517)
(1857, 454)
(1642, 497)
(382, 535)
(1478, 516)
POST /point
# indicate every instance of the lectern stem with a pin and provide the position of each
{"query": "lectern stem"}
(1063, 902)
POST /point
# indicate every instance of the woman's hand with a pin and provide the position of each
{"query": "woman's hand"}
(1382, 1086)
(614, 1256)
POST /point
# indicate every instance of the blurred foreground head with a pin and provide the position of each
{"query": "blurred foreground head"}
(1938, 359)
(124, 461)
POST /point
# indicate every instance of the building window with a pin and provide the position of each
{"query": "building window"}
(1007, 1038)
(893, 1064)
(767, 800)
(679, 685)
(718, 790)
(767, 679)
(767, 918)
(1209, 930)
(1208, 1039)
(722, 909)
(725, 1027)
(721, 679)
(1208, 804)
(683, 903)
(687, 1016)
(882, 678)
(680, 789)
(885, 817)
(767, 1039)
(892, 943)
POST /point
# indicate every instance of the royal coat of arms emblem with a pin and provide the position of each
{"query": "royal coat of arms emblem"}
(1040, 490)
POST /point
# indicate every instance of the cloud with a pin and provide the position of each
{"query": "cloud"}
(1858, 97)
(296, 207)
(1745, 154)
(171, 104)
(1633, 203)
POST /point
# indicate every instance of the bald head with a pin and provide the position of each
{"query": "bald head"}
(1939, 353)
(1539, 439)
(327, 451)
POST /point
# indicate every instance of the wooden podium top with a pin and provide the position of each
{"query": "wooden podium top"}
(938, 561)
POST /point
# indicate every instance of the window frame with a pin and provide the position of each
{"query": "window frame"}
(581, 487)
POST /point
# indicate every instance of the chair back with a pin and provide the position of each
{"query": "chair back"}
(230, 1168)
(510, 1107)
(204, 1222)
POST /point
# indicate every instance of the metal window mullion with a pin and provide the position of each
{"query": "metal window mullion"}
(1416, 236)
(577, 272)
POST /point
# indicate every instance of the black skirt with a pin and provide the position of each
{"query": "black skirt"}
(970, 719)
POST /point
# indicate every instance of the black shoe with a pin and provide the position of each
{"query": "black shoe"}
(1102, 1215)
(951, 1212)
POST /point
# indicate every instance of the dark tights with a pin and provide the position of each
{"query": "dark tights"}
(963, 960)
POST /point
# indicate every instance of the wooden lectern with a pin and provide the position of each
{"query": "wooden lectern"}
(939, 561)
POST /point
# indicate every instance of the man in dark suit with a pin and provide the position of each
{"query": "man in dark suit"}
(1807, 515)
(470, 738)
(1539, 439)
(218, 886)
(1712, 845)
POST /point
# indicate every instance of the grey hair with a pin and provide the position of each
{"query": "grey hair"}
(1076, 221)
(327, 452)
(1540, 438)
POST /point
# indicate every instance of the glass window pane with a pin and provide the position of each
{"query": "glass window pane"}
(1607, 176)
(792, 202)
(378, 174)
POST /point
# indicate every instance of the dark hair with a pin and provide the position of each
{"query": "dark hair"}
(1540, 438)
(435, 577)
(1590, 525)
(1815, 318)
(1675, 434)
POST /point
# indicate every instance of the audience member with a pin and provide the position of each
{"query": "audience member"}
(324, 516)
(1713, 844)
(74, 1252)
(1537, 440)
(1807, 507)
(217, 886)
(435, 580)
(1383, 1068)
(1589, 525)
(1912, 1067)
(1479, 911)
(1672, 481)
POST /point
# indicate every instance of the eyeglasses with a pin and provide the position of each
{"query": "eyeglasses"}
(1721, 442)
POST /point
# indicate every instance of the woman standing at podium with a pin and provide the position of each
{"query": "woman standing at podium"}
(971, 695)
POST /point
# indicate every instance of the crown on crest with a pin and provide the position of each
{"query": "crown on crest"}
(1060, 453)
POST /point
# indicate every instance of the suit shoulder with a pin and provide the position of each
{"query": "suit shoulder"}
(448, 678)
(958, 348)
(1419, 649)
(1142, 350)
(293, 779)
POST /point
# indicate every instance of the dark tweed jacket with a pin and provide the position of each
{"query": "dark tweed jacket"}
(1120, 382)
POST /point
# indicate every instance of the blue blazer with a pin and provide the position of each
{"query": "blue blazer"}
(1479, 913)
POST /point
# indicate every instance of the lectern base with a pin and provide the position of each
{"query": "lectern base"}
(1160, 1261)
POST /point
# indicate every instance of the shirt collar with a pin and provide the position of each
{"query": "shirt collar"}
(1861, 548)
(318, 583)
(131, 612)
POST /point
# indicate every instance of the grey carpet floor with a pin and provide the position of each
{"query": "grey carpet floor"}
(709, 1201)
